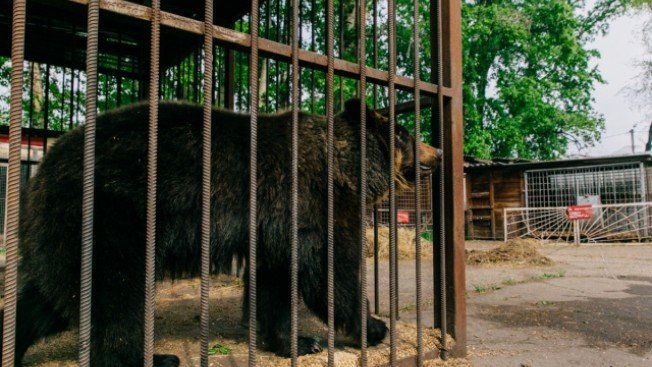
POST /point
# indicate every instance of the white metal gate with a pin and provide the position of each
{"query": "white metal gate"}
(610, 223)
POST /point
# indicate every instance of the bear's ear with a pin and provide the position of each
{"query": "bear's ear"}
(352, 110)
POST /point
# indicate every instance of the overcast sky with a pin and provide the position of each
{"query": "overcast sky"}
(620, 50)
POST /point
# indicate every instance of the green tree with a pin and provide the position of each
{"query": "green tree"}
(528, 80)
(642, 91)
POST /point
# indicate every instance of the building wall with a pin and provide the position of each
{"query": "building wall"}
(488, 192)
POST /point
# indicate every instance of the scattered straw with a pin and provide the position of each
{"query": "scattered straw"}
(513, 252)
(177, 332)
(405, 242)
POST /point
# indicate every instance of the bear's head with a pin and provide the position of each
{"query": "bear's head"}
(378, 127)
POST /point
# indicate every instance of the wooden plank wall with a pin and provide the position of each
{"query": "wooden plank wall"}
(488, 192)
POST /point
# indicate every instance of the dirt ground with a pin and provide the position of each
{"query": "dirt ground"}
(590, 307)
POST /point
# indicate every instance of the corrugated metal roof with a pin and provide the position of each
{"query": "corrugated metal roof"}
(473, 163)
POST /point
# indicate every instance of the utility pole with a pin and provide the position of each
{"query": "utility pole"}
(631, 132)
(648, 146)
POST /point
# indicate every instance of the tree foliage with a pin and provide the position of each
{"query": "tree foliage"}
(528, 79)
(528, 76)
(643, 89)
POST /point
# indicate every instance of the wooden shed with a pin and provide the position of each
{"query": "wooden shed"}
(492, 185)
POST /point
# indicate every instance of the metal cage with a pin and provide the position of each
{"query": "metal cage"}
(137, 41)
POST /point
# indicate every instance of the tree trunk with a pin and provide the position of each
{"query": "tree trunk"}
(38, 91)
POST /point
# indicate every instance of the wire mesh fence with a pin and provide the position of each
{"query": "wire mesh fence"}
(604, 184)
(608, 223)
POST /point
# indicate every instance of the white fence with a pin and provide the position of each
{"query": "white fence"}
(610, 223)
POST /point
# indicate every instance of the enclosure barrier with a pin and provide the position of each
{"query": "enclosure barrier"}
(608, 223)
(446, 132)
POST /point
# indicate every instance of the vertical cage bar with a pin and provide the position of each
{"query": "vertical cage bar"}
(88, 185)
(71, 101)
(341, 52)
(206, 183)
(417, 175)
(62, 101)
(13, 182)
(438, 130)
(253, 179)
(393, 291)
(376, 267)
(313, 47)
(330, 71)
(294, 234)
(150, 230)
(46, 109)
(31, 119)
(374, 45)
(362, 92)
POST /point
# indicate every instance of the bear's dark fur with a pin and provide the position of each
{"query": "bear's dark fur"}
(51, 219)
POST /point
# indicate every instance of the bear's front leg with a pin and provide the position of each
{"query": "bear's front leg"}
(273, 314)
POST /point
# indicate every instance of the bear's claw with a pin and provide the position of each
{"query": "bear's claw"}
(376, 331)
(166, 360)
(309, 346)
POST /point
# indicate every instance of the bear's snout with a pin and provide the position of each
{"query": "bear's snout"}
(429, 158)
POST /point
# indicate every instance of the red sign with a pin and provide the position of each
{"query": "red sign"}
(579, 212)
(402, 217)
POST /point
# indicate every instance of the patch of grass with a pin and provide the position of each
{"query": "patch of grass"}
(509, 281)
(220, 349)
(427, 235)
(480, 288)
(559, 274)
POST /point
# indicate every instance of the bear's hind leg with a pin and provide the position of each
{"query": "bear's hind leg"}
(117, 340)
(35, 319)
(273, 314)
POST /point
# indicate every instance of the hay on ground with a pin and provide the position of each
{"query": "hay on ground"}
(405, 241)
(177, 332)
(513, 252)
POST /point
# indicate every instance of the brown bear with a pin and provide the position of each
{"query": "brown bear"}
(50, 233)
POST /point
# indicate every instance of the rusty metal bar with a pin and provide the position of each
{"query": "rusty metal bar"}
(393, 291)
(268, 48)
(294, 234)
(313, 48)
(30, 118)
(417, 186)
(88, 195)
(253, 179)
(71, 102)
(362, 92)
(206, 183)
(376, 264)
(375, 213)
(453, 156)
(13, 182)
(46, 109)
(341, 52)
(442, 196)
(374, 45)
(150, 233)
(330, 72)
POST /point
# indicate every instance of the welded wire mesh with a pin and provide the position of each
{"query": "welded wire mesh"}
(604, 184)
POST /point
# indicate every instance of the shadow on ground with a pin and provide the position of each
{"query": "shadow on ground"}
(602, 322)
